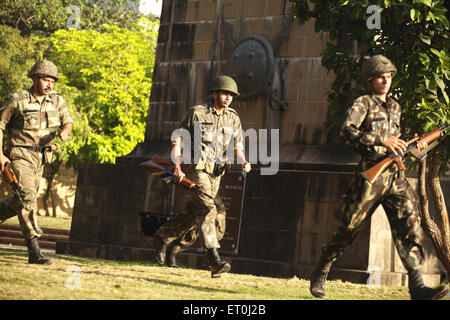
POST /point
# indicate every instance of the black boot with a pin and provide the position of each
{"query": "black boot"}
(418, 291)
(218, 266)
(173, 251)
(161, 248)
(34, 253)
(318, 278)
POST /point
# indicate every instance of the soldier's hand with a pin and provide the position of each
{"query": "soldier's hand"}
(246, 167)
(3, 160)
(395, 144)
(64, 136)
(421, 145)
(178, 174)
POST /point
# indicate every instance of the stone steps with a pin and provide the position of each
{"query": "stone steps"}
(12, 235)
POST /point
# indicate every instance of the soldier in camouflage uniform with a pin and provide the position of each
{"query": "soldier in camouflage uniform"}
(188, 230)
(219, 128)
(30, 120)
(372, 126)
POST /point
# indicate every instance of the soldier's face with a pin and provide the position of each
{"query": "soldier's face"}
(381, 84)
(223, 99)
(43, 86)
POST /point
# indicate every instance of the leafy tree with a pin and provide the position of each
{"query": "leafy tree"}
(414, 35)
(110, 74)
(25, 29)
(48, 16)
(17, 56)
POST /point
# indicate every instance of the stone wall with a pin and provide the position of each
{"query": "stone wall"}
(61, 198)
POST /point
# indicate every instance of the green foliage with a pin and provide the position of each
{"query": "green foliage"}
(48, 16)
(414, 35)
(108, 76)
(17, 56)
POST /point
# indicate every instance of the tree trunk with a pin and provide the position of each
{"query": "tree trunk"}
(438, 231)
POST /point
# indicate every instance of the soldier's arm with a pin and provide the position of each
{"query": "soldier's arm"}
(3, 158)
(6, 113)
(239, 146)
(176, 152)
(352, 129)
(65, 119)
(65, 131)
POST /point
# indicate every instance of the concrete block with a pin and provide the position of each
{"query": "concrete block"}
(231, 8)
(192, 11)
(274, 8)
(207, 10)
(205, 31)
(253, 8)
(202, 51)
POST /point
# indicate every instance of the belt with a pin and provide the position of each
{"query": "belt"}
(34, 148)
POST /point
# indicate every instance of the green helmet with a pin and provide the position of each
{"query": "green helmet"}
(377, 65)
(44, 68)
(225, 83)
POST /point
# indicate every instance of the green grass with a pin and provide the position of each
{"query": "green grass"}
(58, 223)
(110, 280)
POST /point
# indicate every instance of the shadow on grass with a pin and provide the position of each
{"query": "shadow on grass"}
(111, 263)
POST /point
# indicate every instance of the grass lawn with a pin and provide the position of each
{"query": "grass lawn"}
(58, 223)
(77, 278)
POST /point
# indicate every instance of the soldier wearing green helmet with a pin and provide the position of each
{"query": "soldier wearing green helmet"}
(220, 129)
(44, 68)
(372, 127)
(30, 120)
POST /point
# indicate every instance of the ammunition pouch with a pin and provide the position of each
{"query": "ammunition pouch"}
(219, 169)
(48, 154)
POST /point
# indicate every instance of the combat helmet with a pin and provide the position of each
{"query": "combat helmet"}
(376, 65)
(44, 68)
(225, 83)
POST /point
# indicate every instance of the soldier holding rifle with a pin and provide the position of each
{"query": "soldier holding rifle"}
(220, 128)
(372, 126)
(30, 120)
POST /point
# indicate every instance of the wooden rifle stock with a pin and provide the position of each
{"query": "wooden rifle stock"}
(374, 172)
(164, 172)
(164, 169)
(10, 176)
(11, 179)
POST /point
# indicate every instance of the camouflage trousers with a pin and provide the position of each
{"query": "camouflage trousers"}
(399, 201)
(200, 216)
(183, 230)
(29, 175)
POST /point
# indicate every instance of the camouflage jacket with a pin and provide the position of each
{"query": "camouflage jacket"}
(370, 121)
(213, 137)
(29, 123)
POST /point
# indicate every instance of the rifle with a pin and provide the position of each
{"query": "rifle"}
(11, 179)
(436, 135)
(164, 168)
